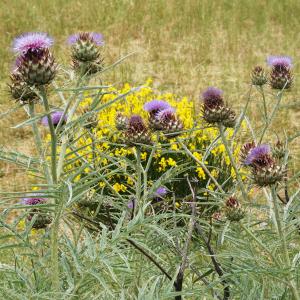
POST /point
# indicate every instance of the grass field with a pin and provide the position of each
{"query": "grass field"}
(183, 45)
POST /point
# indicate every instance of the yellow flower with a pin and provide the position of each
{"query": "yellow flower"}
(201, 173)
(144, 155)
(171, 162)
(119, 187)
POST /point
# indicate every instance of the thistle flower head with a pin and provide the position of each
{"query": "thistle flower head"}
(166, 114)
(131, 204)
(55, 117)
(155, 106)
(232, 202)
(137, 132)
(32, 41)
(233, 210)
(280, 61)
(213, 98)
(258, 76)
(258, 154)
(161, 192)
(95, 37)
(136, 122)
(33, 201)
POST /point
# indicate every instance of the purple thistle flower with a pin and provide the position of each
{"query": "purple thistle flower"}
(32, 41)
(136, 122)
(55, 116)
(165, 114)
(33, 201)
(256, 153)
(212, 93)
(279, 61)
(96, 37)
(161, 192)
(131, 204)
(156, 105)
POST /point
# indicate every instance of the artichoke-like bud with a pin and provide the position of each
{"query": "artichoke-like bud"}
(121, 122)
(217, 216)
(37, 67)
(245, 150)
(153, 108)
(265, 170)
(214, 109)
(137, 132)
(42, 220)
(169, 123)
(221, 115)
(279, 150)
(85, 46)
(281, 75)
(233, 210)
(20, 91)
(258, 76)
(86, 54)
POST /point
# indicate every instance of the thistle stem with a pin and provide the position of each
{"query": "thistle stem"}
(55, 225)
(264, 102)
(145, 172)
(269, 120)
(38, 142)
(282, 237)
(52, 133)
(139, 175)
(233, 163)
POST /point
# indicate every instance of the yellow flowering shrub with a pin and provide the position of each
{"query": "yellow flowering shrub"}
(101, 145)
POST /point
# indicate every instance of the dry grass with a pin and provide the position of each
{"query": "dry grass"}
(184, 45)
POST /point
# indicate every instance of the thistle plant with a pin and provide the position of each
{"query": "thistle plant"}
(136, 195)
(281, 76)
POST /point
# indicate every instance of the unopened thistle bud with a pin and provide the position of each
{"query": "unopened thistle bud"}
(153, 108)
(258, 76)
(35, 62)
(214, 109)
(121, 122)
(41, 220)
(86, 55)
(137, 132)
(169, 122)
(20, 91)
(279, 150)
(281, 75)
(233, 210)
(265, 170)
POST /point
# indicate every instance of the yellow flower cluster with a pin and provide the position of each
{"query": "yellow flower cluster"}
(103, 138)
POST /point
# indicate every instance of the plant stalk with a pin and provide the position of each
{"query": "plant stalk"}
(52, 133)
(38, 142)
(233, 163)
